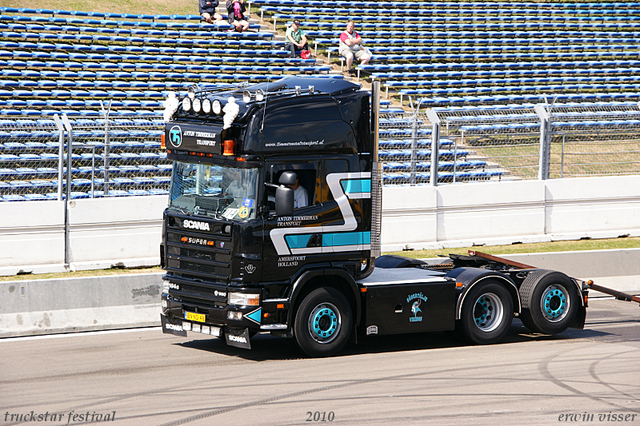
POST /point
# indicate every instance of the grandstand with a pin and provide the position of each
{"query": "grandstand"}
(91, 66)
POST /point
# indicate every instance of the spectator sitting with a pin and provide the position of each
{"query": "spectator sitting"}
(296, 40)
(351, 45)
(208, 11)
(237, 16)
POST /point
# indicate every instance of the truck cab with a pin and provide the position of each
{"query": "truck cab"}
(238, 248)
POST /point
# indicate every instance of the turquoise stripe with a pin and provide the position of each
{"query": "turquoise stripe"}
(298, 241)
(346, 239)
(330, 239)
(356, 186)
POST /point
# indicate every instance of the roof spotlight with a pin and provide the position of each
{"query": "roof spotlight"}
(186, 104)
(216, 107)
(206, 106)
(197, 105)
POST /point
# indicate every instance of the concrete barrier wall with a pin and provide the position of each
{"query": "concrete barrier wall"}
(617, 269)
(79, 304)
(127, 231)
(102, 233)
(510, 212)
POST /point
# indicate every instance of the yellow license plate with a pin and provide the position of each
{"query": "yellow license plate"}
(192, 316)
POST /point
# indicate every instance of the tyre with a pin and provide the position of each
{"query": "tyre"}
(550, 302)
(487, 313)
(323, 322)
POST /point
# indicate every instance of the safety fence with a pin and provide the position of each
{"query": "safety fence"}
(122, 156)
(105, 157)
(513, 142)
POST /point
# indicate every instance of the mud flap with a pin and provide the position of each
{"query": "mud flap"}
(580, 319)
(238, 338)
(172, 326)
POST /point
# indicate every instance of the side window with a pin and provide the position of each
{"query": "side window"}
(331, 167)
(307, 190)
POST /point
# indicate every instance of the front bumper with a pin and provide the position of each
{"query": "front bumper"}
(235, 323)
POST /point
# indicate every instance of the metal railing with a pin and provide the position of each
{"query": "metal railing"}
(45, 158)
(49, 158)
(547, 141)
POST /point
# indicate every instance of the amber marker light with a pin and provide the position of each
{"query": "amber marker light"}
(163, 144)
(228, 147)
(458, 285)
(363, 290)
(280, 306)
(183, 239)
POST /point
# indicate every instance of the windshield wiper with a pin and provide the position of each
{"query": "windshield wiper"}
(180, 209)
(208, 212)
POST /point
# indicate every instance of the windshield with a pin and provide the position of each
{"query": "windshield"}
(212, 190)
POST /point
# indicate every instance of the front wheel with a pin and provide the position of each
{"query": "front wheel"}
(323, 322)
(487, 313)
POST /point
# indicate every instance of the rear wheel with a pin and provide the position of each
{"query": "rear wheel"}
(552, 302)
(323, 322)
(487, 313)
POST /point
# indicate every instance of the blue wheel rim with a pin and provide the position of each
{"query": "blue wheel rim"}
(488, 312)
(324, 323)
(555, 303)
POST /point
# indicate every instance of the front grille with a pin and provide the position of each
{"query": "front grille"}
(198, 292)
(189, 254)
(197, 267)
(200, 263)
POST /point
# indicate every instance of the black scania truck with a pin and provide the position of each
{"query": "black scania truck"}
(273, 225)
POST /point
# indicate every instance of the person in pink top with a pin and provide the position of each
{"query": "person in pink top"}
(351, 45)
(237, 15)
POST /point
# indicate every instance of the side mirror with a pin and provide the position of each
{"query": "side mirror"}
(284, 200)
(287, 178)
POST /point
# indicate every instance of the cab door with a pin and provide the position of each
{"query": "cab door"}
(291, 242)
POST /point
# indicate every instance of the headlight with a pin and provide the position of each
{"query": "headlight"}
(186, 104)
(216, 107)
(246, 96)
(206, 106)
(259, 95)
(243, 299)
(197, 105)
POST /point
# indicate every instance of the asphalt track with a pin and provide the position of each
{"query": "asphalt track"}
(144, 377)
